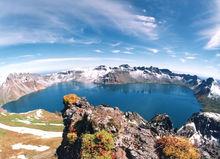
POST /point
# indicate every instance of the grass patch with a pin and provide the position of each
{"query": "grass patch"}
(210, 105)
(42, 124)
(2, 133)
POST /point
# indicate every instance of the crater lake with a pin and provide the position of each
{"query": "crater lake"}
(146, 99)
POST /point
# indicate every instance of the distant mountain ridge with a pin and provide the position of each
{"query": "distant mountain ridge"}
(18, 85)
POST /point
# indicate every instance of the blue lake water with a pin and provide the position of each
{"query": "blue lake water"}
(146, 99)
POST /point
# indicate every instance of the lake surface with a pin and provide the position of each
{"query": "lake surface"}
(146, 99)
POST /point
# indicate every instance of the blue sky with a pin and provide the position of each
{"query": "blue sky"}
(46, 35)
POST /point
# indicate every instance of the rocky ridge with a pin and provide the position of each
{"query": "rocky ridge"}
(91, 132)
(18, 85)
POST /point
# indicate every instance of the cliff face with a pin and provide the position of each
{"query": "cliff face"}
(105, 132)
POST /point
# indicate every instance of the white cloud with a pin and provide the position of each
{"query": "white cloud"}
(218, 55)
(115, 51)
(98, 51)
(211, 32)
(14, 37)
(129, 48)
(190, 57)
(213, 36)
(153, 50)
(168, 50)
(127, 52)
(45, 22)
(116, 44)
(182, 60)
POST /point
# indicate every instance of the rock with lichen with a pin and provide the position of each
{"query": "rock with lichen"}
(103, 132)
(128, 132)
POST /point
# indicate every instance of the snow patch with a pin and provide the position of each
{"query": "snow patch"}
(38, 114)
(214, 90)
(91, 75)
(189, 125)
(19, 157)
(29, 147)
(196, 139)
(21, 121)
(137, 73)
(3, 114)
(36, 132)
(211, 115)
(53, 124)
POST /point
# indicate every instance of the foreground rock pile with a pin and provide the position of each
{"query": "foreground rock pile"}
(103, 132)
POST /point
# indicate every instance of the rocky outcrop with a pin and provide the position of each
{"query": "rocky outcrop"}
(129, 136)
(203, 129)
(132, 137)
(162, 125)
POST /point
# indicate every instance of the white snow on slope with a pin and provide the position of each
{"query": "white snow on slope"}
(39, 114)
(211, 115)
(36, 132)
(21, 157)
(29, 147)
(90, 75)
(21, 121)
(215, 90)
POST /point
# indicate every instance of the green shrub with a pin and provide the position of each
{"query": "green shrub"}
(98, 146)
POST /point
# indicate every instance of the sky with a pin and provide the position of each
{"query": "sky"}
(53, 35)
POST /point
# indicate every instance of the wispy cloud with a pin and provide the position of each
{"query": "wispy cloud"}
(98, 51)
(153, 50)
(115, 44)
(129, 48)
(190, 57)
(182, 60)
(128, 52)
(116, 51)
(170, 52)
(211, 32)
(55, 21)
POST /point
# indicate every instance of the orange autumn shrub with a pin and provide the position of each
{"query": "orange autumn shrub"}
(177, 148)
(71, 137)
(70, 99)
